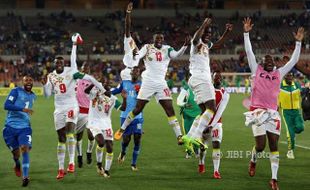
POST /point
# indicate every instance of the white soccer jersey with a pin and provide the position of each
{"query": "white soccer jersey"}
(100, 107)
(200, 61)
(63, 86)
(156, 62)
(129, 46)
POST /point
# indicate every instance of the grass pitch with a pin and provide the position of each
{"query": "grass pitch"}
(162, 164)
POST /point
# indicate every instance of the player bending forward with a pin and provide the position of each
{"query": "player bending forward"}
(100, 124)
(263, 116)
(216, 134)
(156, 59)
(62, 83)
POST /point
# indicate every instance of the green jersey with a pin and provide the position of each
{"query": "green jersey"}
(190, 108)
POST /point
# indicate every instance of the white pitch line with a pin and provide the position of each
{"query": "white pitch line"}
(300, 146)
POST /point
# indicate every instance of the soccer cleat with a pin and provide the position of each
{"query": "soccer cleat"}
(61, 174)
(187, 144)
(217, 175)
(134, 168)
(80, 161)
(290, 154)
(118, 134)
(89, 159)
(71, 168)
(121, 158)
(25, 181)
(106, 174)
(17, 171)
(252, 167)
(100, 170)
(180, 140)
(274, 184)
(201, 168)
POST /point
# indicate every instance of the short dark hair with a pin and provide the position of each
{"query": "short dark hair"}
(59, 58)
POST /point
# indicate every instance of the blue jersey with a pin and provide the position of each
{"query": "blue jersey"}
(17, 100)
(132, 93)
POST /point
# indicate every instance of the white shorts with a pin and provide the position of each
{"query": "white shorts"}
(65, 115)
(202, 89)
(103, 127)
(216, 133)
(159, 90)
(273, 126)
(81, 123)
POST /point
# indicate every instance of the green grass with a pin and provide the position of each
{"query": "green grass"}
(161, 163)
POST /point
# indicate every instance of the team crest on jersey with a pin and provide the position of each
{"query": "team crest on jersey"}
(55, 79)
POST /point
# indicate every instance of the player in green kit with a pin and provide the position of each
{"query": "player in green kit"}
(189, 109)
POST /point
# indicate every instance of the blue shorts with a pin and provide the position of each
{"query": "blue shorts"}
(135, 127)
(14, 138)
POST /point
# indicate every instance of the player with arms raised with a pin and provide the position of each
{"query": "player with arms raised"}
(62, 83)
(156, 58)
(263, 116)
(201, 80)
(17, 131)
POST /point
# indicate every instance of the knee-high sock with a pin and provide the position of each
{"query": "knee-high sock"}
(216, 156)
(71, 142)
(254, 155)
(99, 154)
(204, 120)
(90, 146)
(79, 147)
(61, 154)
(25, 164)
(274, 160)
(173, 122)
(135, 154)
(128, 120)
(194, 126)
(108, 161)
(202, 157)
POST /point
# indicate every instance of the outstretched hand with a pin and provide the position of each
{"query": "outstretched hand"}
(207, 22)
(229, 27)
(300, 34)
(129, 7)
(247, 25)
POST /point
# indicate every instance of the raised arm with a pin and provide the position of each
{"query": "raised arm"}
(141, 53)
(128, 20)
(73, 64)
(222, 39)
(174, 54)
(295, 56)
(91, 79)
(198, 34)
(247, 27)
(221, 108)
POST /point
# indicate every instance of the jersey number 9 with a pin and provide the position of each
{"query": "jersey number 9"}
(62, 88)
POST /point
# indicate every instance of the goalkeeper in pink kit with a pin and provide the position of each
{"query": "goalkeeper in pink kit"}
(263, 116)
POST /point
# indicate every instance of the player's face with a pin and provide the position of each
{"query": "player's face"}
(86, 68)
(268, 63)
(206, 37)
(289, 78)
(59, 65)
(217, 80)
(135, 73)
(158, 40)
(28, 83)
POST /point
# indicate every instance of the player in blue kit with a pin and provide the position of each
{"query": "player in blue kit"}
(17, 131)
(131, 87)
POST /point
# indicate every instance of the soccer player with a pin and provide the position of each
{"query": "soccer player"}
(289, 102)
(216, 134)
(129, 47)
(131, 88)
(264, 117)
(189, 109)
(62, 83)
(17, 131)
(100, 124)
(201, 80)
(156, 58)
(83, 102)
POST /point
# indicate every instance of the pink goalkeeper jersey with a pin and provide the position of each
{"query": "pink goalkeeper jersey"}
(265, 89)
(82, 97)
